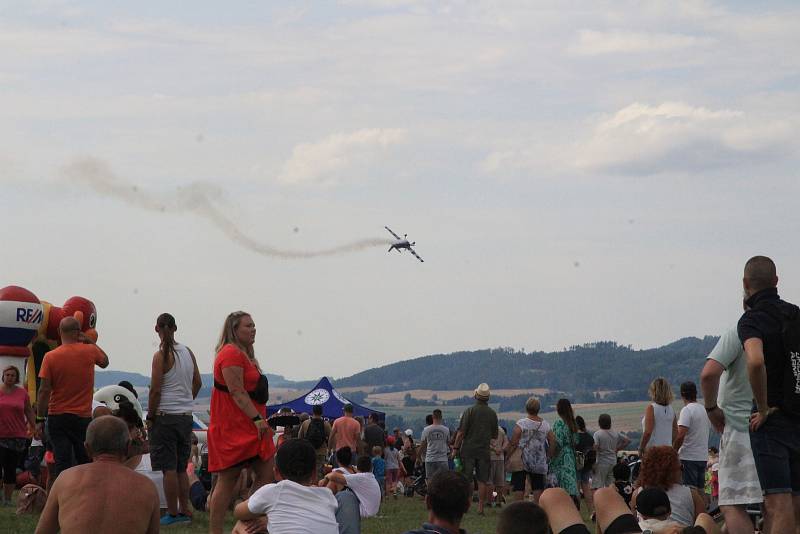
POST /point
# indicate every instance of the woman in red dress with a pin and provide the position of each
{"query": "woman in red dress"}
(238, 434)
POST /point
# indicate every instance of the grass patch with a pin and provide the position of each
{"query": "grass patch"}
(395, 517)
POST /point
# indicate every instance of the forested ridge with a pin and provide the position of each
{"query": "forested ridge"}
(603, 365)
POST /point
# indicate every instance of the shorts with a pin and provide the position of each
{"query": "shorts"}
(694, 474)
(497, 473)
(585, 476)
(538, 481)
(738, 479)
(171, 442)
(431, 468)
(322, 459)
(603, 476)
(198, 496)
(776, 450)
(479, 465)
(624, 524)
(393, 475)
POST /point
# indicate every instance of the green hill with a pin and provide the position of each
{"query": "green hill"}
(591, 367)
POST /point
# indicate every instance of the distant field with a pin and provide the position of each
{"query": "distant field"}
(396, 398)
(625, 416)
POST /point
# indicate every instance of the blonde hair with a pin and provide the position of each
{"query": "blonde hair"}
(377, 451)
(532, 406)
(228, 334)
(15, 369)
(660, 391)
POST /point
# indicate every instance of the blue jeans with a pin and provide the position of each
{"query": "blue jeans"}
(776, 450)
(348, 515)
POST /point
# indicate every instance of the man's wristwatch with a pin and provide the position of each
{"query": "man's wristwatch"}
(256, 418)
(709, 410)
(40, 419)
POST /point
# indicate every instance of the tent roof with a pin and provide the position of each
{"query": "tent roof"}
(331, 400)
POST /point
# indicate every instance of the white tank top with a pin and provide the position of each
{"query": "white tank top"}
(662, 427)
(176, 385)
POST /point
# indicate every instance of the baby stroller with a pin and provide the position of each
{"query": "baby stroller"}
(418, 484)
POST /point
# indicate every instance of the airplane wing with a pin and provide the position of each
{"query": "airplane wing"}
(415, 255)
(394, 234)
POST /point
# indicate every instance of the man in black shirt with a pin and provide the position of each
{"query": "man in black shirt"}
(766, 332)
(374, 434)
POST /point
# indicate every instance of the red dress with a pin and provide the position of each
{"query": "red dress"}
(232, 436)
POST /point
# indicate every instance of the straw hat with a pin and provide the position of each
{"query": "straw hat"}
(482, 392)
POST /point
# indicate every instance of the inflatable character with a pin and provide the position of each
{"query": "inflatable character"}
(21, 317)
(111, 396)
(29, 326)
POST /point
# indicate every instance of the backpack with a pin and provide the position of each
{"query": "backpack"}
(790, 337)
(31, 499)
(316, 433)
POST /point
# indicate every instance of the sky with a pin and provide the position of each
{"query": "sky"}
(570, 171)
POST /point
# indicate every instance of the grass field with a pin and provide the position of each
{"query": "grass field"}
(395, 517)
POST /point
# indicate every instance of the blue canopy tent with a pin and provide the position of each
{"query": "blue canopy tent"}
(331, 400)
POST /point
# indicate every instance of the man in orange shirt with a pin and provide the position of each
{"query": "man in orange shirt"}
(65, 393)
(346, 432)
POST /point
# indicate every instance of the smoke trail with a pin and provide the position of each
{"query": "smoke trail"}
(197, 199)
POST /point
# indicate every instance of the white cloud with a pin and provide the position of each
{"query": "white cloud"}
(647, 139)
(320, 162)
(594, 43)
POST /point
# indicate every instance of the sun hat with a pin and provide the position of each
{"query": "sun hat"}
(409, 432)
(482, 391)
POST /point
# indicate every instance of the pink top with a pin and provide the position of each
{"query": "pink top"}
(12, 414)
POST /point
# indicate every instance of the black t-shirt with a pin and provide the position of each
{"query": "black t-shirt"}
(374, 436)
(765, 320)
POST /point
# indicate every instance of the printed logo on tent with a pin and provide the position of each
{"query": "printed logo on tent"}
(339, 396)
(318, 396)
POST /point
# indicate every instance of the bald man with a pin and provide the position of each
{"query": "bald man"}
(770, 333)
(65, 393)
(103, 496)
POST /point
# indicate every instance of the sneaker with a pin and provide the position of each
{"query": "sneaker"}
(187, 518)
(168, 519)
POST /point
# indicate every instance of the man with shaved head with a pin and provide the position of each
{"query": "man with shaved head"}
(770, 334)
(104, 496)
(65, 393)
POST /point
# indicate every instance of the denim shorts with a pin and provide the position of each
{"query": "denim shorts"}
(776, 450)
(694, 473)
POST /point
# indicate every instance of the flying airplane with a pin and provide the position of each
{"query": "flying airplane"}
(403, 243)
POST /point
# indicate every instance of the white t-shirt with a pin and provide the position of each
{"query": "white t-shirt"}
(607, 442)
(437, 438)
(695, 444)
(292, 508)
(735, 395)
(367, 490)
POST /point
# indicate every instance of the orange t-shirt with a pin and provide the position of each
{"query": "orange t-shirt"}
(70, 369)
(348, 433)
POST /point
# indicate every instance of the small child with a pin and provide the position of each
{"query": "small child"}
(392, 468)
(194, 457)
(379, 468)
(622, 481)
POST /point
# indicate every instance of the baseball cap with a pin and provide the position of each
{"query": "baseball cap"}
(653, 502)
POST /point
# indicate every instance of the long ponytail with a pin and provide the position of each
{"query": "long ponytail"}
(166, 327)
